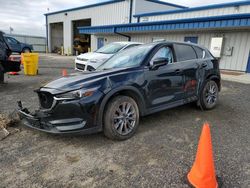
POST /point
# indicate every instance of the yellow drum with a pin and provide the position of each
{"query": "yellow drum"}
(30, 63)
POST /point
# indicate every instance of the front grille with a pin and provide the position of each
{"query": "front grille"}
(90, 68)
(80, 66)
(46, 99)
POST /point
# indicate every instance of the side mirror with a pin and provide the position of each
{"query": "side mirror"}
(159, 62)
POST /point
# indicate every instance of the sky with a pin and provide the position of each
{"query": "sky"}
(27, 16)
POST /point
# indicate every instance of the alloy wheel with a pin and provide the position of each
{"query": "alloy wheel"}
(124, 118)
(211, 93)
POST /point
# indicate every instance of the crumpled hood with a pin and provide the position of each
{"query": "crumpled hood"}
(94, 55)
(77, 81)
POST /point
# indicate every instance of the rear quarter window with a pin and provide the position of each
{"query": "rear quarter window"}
(209, 55)
(184, 52)
(200, 52)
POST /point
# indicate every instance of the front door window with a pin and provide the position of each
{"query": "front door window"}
(164, 52)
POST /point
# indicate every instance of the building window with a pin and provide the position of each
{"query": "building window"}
(191, 39)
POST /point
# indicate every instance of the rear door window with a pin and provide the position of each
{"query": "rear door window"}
(184, 52)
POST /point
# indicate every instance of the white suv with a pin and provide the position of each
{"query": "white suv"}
(90, 61)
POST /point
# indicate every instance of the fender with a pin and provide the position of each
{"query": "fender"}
(209, 77)
(104, 101)
(215, 77)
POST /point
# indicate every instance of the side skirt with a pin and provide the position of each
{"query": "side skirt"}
(171, 105)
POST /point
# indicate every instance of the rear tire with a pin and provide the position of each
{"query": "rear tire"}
(121, 118)
(209, 95)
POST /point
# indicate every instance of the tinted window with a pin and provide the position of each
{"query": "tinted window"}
(200, 52)
(208, 55)
(184, 52)
(164, 52)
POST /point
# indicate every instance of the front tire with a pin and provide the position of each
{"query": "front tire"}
(209, 95)
(121, 118)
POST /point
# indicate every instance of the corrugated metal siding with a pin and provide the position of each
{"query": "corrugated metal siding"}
(239, 40)
(142, 6)
(201, 13)
(39, 43)
(116, 13)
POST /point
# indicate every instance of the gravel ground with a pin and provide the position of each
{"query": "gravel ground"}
(159, 155)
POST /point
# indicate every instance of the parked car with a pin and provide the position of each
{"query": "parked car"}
(6, 65)
(133, 83)
(17, 46)
(90, 61)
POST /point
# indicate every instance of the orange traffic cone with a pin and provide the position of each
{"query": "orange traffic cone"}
(64, 72)
(202, 174)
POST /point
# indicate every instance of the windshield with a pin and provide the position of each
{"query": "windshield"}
(111, 48)
(127, 58)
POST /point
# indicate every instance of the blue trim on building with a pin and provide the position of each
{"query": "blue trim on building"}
(226, 21)
(165, 3)
(223, 5)
(86, 6)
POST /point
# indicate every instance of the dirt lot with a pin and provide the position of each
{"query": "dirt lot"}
(159, 155)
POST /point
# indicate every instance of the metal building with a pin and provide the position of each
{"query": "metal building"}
(222, 28)
(62, 25)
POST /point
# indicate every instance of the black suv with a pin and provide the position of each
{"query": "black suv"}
(5, 64)
(133, 83)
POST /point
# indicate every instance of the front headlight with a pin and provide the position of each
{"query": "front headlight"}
(72, 95)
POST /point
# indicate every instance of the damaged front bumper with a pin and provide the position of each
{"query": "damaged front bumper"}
(50, 123)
